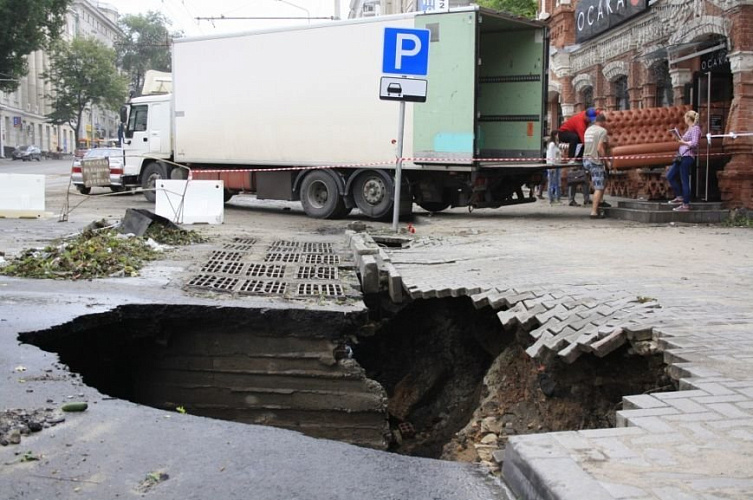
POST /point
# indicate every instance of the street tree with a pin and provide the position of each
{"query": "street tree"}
(145, 45)
(82, 74)
(26, 26)
(523, 8)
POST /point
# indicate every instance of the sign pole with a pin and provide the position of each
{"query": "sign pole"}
(398, 167)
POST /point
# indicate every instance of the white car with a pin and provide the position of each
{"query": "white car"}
(116, 161)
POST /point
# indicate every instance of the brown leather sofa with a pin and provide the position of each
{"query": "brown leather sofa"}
(641, 137)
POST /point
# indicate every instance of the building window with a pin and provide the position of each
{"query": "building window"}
(587, 97)
(664, 95)
(622, 98)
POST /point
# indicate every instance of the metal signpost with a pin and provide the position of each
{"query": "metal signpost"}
(406, 53)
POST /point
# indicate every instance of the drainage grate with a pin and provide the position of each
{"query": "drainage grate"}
(240, 244)
(263, 287)
(310, 247)
(219, 266)
(316, 273)
(283, 246)
(321, 259)
(220, 283)
(225, 255)
(282, 257)
(265, 271)
(320, 289)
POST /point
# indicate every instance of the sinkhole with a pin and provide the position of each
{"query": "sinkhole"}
(438, 378)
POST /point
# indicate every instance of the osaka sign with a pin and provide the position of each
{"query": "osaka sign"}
(593, 17)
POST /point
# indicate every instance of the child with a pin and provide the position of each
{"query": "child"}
(553, 158)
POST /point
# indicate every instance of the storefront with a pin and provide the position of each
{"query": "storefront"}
(635, 54)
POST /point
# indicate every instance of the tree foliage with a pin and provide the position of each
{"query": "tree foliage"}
(144, 46)
(82, 73)
(523, 8)
(26, 26)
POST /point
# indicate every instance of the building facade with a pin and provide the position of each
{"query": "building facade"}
(23, 112)
(632, 54)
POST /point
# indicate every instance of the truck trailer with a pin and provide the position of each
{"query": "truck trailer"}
(295, 114)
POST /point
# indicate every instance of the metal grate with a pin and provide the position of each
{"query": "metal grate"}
(331, 260)
(265, 271)
(283, 246)
(225, 255)
(219, 283)
(242, 244)
(310, 247)
(263, 287)
(219, 266)
(282, 257)
(320, 289)
(316, 273)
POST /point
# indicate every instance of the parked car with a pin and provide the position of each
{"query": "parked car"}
(116, 161)
(27, 153)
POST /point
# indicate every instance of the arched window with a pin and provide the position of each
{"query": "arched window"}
(622, 97)
(664, 95)
(587, 97)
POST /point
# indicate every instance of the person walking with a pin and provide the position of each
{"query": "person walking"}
(573, 129)
(553, 159)
(594, 160)
(679, 173)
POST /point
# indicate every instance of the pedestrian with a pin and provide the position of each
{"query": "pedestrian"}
(595, 145)
(577, 178)
(679, 173)
(573, 129)
(553, 159)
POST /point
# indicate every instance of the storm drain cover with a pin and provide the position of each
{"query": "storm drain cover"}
(265, 271)
(282, 257)
(225, 255)
(242, 244)
(331, 260)
(219, 266)
(316, 273)
(320, 289)
(211, 282)
(263, 287)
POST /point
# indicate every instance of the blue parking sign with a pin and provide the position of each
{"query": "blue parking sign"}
(406, 51)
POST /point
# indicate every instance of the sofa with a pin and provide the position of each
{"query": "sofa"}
(642, 138)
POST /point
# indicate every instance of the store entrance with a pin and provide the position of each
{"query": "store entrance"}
(712, 98)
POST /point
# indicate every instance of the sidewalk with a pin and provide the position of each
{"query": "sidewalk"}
(695, 443)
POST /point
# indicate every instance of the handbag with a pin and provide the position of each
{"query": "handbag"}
(576, 175)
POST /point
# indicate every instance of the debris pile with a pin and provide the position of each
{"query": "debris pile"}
(16, 423)
(101, 250)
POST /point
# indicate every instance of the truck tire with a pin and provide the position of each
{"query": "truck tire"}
(372, 192)
(149, 177)
(320, 197)
(434, 206)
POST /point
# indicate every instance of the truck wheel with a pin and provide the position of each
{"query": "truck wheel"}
(152, 173)
(434, 206)
(320, 197)
(372, 192)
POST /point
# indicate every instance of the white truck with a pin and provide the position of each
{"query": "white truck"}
(295, 114)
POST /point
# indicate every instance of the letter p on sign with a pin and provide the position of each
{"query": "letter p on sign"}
(406, 51)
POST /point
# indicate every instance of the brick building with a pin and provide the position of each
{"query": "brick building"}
(632, 54)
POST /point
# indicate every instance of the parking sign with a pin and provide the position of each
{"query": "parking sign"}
(406, 51)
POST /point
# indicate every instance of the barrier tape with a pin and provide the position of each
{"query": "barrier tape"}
(434, 161)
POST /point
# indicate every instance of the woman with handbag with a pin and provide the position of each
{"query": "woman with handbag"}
(679, 173)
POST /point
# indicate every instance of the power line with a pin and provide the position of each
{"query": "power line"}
(223, 18)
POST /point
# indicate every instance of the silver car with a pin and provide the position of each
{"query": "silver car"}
(27, 153)
(115, 158)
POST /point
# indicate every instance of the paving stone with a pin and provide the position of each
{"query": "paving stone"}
(641, 401)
